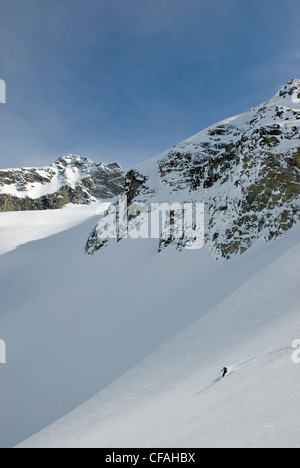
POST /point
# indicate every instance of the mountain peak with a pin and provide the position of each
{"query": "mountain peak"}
(70, 179)
(289, 92)
(246, 171)
(73, 160)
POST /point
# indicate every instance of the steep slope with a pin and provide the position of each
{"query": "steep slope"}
(77, 323)
(174, 398)
(246, 170)
(70, 179)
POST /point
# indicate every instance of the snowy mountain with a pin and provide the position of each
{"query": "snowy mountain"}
(124, 348)
(246, 170)
(70, 179)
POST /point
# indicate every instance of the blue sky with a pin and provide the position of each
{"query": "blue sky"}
(123, 80)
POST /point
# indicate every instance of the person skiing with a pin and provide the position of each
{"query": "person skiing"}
(225, 371)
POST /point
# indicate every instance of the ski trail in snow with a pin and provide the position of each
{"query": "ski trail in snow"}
(230, 372)
(243, 363)
(236, 367)
(210, 386)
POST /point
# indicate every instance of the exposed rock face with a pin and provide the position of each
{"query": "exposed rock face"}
(135, 185)
(246, 170)
(71, 179)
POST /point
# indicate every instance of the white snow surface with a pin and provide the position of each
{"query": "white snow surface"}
(18, 228)
(150, 332)
(172, 398)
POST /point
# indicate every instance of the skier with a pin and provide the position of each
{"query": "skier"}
(225, 370)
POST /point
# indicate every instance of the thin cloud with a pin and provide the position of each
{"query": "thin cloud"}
(127, 79)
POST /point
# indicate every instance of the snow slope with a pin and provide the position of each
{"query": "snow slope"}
(18, 228)
(74, 324)
(172, 398)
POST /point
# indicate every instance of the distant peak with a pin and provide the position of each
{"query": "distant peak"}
(72, 159)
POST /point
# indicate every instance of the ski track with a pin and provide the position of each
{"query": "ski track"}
(233, 369)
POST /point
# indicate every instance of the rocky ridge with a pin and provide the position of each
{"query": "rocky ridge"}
(70, 179)
(246, 170)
